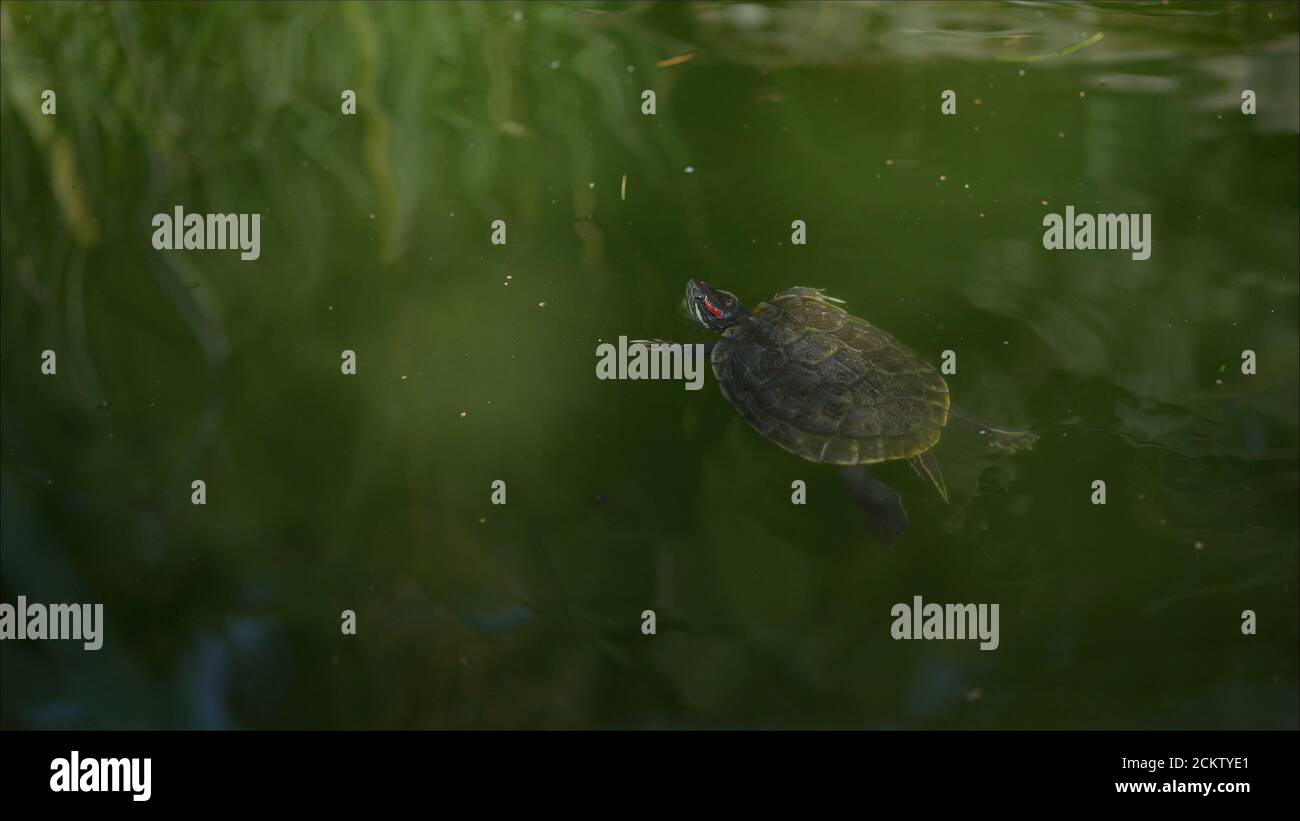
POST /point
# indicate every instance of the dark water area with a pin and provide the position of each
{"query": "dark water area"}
(476, 362)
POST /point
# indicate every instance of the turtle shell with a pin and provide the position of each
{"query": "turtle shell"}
(828, 386)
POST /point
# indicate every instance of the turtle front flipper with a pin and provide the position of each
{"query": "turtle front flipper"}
(708, 345)
(880, 503)
(815, 293)
(927, 467)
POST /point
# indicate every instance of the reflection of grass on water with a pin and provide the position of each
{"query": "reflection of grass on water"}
(443, 89)
(55, 147)
(236, 107)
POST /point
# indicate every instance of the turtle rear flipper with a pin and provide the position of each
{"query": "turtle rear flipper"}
(927, 467)
(880, 503)
(650, 343)
(1011, 441)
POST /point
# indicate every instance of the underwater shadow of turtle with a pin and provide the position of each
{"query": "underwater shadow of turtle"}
(881, 505)
(832, 388)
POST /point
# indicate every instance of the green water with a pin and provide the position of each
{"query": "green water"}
(476, 362)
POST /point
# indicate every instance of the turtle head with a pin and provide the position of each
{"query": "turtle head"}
(713, 308)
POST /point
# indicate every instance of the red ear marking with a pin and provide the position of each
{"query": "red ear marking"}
(712, 310)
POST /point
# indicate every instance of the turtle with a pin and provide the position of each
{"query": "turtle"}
(832, 388)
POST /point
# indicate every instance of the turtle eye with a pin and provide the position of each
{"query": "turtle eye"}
(709, 306)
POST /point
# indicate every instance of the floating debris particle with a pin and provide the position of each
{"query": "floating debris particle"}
(482, 520)
(676, 61)
(541, 305)
(403, 377)
(1199, 545)
(622, 188)
(889, 162)
(463, 414)
(690, 169)
(943, 178)
(555, 64)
